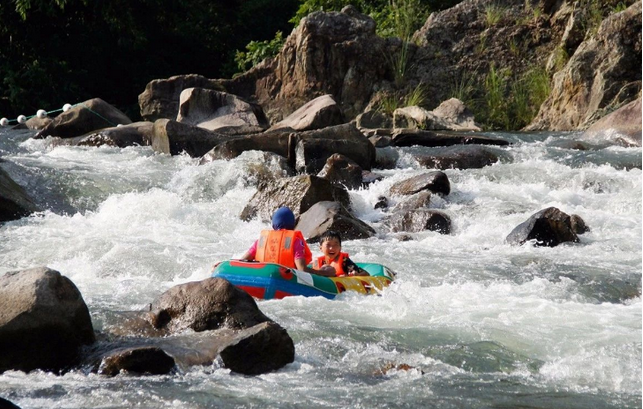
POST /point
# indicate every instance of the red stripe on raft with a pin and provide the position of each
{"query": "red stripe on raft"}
(281, 294)
(256, 292)
(246, 264)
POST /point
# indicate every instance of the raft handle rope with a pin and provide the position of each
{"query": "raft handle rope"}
(41, 113)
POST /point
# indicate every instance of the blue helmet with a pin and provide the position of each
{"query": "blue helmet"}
(283, 218)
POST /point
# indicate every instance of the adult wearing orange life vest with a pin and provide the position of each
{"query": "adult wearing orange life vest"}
(284, 245)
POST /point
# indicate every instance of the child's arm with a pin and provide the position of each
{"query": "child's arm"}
(353, 269)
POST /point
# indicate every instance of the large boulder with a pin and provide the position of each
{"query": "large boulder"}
(458, 157)
(14, 201)
(451, 115)
(215, 111)
(161, 97)
(315, 147)
(319, 113)
(134, 134)
(415, 137)
(83, 118)
(44, 321)
(548, 227)
(436, 182)
(280, 143)
(299, 193)
(622, 126)
(326, 216)
(604, 72)
(173, 138)
(151, 360)
(204, 305)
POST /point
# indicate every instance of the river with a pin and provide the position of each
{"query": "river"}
(470, 322)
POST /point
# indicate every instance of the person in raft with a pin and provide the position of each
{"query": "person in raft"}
(331, 246)
(284, 245)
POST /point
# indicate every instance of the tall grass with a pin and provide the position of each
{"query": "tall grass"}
(493, 14)
(507, 102)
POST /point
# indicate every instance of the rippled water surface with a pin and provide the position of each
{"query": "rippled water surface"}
(471, 322)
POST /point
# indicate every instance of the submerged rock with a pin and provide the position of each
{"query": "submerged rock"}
(548, 227)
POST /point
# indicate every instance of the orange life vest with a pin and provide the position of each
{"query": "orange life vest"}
(338, 263)
(277, 246)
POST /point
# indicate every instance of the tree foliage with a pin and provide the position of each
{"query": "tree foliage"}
(58, 51)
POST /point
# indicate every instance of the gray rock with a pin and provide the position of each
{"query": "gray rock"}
(604, 72)
(215, 110)
(436, 182)
(14, 201)
(458, 157)
(43, 321)
(418, 220)
(161, 96)
(137, 360)
(315, 147)
(205, 305)
(299, 193)
(321, 112)
(325, 216)
(171, 137)
(83, 118)
(548, 227)
(134, 134)
(622, 126)
(411, 137)
(340, 170)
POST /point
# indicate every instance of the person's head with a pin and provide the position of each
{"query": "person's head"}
(330, 243)
(283, 218)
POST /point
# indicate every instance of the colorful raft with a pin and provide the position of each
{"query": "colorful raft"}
(267, 280)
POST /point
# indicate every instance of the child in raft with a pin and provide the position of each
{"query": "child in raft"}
(330, 245)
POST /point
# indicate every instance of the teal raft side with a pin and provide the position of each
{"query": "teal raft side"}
(268, 280)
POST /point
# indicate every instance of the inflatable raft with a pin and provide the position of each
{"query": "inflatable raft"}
(267, 280)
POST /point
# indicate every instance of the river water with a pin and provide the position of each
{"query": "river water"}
(470, 322)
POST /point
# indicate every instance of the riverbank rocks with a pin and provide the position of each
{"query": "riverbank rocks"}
(173, 138)
(325, 216)
(622, 126)
(83, 118)
(220, 111)
(160, 99)
(14, 201)
(299, 193)
(451, 115)
(548, 227)
(604, 72)
(44, 321)
(321, 112)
